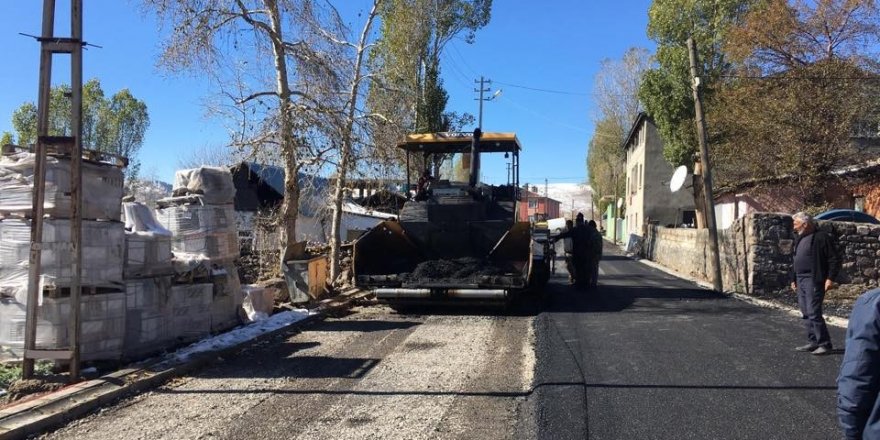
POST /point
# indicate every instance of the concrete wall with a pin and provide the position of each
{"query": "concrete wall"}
(756, 252)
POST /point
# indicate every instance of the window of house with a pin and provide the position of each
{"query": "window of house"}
(533, 203)
(641, 179)
(531, 219)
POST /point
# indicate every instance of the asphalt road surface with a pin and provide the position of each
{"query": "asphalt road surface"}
(647, 356)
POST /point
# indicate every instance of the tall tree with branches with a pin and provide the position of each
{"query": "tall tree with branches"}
(616, 96)
(260, 72)
(805, 81)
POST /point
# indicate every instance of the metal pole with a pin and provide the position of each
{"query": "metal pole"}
(76, 195)
(480, 120)
(546, 201)
(30, 332)
(707, 169)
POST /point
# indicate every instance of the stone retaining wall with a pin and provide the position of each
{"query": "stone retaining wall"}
(756, 252)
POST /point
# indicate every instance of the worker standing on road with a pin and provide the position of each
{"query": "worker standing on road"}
(596, 248)
(858, 385)
(581, 251)
(567, 248)
(815, 266)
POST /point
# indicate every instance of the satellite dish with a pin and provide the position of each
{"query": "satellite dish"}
(678, 178)
(619, 203)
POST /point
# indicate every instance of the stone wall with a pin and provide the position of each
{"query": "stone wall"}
(756, 252)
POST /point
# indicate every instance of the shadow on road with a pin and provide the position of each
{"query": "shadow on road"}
(362, 326)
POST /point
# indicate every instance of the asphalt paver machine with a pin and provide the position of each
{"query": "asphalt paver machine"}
(456, 238)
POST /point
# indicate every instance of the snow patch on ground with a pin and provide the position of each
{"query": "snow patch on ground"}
(237, 336)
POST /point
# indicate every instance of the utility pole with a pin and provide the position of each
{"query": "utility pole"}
(481, 90)
(707, 168)
(68, 146)
(546, 201)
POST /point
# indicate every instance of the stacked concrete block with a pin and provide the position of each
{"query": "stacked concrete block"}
(227, 298)
(102, 331)
(102, 251)
(206, 230)
(102, 187)
(147, 316)
(202, 221)
(103, 247)
(191, 311)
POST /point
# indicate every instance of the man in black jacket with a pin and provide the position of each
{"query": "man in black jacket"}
(815, 266)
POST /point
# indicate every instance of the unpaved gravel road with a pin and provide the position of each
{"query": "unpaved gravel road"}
(373, 374)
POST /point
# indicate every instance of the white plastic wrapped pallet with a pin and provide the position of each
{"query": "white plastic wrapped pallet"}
(102, 188)
(213, 183)
(102, 253)
(103, 325)
(205, 230)
(147, 243)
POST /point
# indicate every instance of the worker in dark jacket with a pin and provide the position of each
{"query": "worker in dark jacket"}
(858, 385)
(581, 254)
(815, 267)
(596, 249)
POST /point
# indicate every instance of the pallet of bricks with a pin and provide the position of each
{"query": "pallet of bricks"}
(205, 295)
(103, 298)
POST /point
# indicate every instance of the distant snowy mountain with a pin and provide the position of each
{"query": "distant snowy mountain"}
(573, 198)
(148, 191)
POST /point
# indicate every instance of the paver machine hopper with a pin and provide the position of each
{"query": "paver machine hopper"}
(456, 238)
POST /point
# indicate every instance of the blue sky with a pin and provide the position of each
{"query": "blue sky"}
(555, 45)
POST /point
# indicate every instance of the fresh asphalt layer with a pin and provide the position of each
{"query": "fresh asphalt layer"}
(650, 356)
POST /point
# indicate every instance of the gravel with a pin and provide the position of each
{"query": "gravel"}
(373, 374)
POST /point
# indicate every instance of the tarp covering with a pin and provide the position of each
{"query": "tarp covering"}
(214, 183)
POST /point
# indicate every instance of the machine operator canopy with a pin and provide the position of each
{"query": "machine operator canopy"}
(460, 143)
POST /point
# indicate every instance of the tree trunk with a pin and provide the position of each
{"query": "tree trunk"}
(290, 207)
(346, 147)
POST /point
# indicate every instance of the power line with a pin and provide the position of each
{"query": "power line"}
(537, 89)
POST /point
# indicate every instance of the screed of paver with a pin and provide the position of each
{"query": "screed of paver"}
(197, 406)
(407, 394)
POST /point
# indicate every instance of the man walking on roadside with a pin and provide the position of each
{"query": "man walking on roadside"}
(815, 266)
(596, 248)
(858, 385)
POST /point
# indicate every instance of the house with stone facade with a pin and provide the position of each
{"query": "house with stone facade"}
(647, 198)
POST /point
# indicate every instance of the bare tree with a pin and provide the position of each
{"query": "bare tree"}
(207, 155)
(270, 45)
(615, 94)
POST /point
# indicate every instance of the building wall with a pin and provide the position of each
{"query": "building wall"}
(634, 200)
(790, 199)
(541, 206)
(648, 174)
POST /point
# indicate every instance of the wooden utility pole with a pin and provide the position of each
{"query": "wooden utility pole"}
(706, 168)
(66, 145)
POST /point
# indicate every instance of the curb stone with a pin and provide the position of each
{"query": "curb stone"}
(74, 401)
